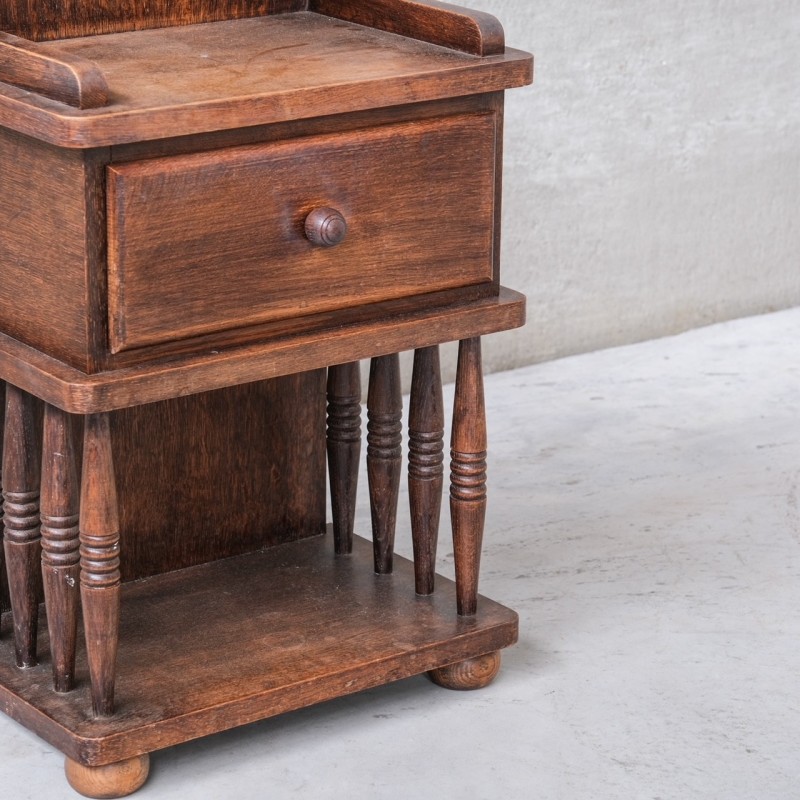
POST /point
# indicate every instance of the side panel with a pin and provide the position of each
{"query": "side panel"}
(43, 245)
(219, 474)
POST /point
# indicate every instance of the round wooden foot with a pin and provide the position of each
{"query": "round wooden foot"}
(474, 673)
(113, 780)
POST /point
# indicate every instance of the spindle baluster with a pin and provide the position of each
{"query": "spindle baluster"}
(384, 454)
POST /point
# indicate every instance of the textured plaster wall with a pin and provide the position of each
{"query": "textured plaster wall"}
(652, 171)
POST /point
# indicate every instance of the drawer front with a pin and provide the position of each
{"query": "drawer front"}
(215, 241)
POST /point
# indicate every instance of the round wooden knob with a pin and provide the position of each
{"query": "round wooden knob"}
(326, 227)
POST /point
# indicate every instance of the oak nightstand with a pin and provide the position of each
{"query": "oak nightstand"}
(210, 212)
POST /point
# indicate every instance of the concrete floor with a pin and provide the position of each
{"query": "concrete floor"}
(644, 522)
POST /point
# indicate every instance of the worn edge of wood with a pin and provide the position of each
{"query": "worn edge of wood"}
(110, 748)
(49, 121)
(78, 393)
(96, 752)
(68, 79)
(444, 24)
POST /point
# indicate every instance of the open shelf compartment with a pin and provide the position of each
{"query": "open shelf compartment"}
(223, 644)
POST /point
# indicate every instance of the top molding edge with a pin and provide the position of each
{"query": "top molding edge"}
(457, 28)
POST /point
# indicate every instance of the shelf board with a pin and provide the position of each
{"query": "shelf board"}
(337, 341)
(191, 79)
(213, 647)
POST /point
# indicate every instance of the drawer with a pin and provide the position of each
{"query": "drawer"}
(217, 240)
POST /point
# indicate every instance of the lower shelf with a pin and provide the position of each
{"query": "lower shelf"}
(213, 647)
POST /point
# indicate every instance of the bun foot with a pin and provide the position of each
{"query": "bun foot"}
(474, 673)
(112, 780)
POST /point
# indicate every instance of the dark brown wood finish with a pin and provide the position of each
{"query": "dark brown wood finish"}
(60, 543)
(38, 20)
(384, 454)
(112, 780)
(70, 250)
(325, 227)
(22, 539)
(69, 79)
(472, 673)
(484, 103)
(223, 473)
(159, 379)
(444, 24)
(287, 604)
(219, 237)
(5, 604)
(188, 80)
(468, 473)
(425, 464)
(48, 256)
(100, 561)
(344, 449)
(292, 184)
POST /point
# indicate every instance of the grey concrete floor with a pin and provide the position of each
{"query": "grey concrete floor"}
(644, 521)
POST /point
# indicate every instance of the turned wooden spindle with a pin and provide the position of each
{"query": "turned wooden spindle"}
(384, 454)
(60, 543)
(468, 474)
(344, 449)
(2, 437)
(22, 542)
(99, 550)
(425, 464)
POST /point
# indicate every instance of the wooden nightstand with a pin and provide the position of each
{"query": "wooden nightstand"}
(209, 215)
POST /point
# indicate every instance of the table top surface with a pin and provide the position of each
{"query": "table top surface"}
(241, 58)
(183, 80)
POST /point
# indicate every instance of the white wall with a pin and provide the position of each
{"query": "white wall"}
(652, 171)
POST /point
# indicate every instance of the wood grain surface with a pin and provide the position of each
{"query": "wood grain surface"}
(444, 24)
(425, 463)
(21, 528)
(384, 455)
(100, 561)
(214, 241)
(220, 76)
(69, 79)
(78, 393)
(46, 249)
(473, 673)
(38, 20)
(344, 449)
(468, 450)
(286, 603)
(220, 474)
(110, 781)
(61, 542)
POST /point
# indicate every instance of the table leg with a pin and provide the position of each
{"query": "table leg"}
(468, 510)
(472, 673)
(112, 780)
(468, 474)
(384, 454)
(425, 464)
(22, 541)
(100, 573)
(60, 543)
(344, 449)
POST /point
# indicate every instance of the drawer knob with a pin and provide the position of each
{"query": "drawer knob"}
(325, 227)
